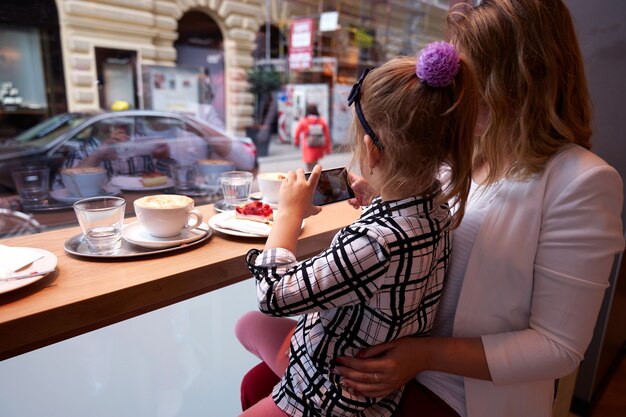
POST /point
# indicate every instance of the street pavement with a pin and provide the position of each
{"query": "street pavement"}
(284, 157)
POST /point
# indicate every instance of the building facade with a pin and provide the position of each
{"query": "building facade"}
(105, 48)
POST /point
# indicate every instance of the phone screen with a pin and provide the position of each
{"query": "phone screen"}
(332, 186)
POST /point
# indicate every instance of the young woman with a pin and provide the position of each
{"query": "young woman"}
(533, 254)
(381, 277)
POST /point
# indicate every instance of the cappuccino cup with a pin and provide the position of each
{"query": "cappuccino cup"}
(84, 181)
(269, 185)
(210, 169)
(167, 215)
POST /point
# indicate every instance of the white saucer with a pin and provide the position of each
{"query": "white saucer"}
(48, 262)
(226, 222)
(64, 196)
(137, 235)
(130, 183)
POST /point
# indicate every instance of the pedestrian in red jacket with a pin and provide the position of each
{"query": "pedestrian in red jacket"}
(313, 132)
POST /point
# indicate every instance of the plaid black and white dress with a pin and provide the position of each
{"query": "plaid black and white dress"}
(380, 279)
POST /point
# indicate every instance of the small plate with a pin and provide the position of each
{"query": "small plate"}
(77, 245)
(64, 196)
(46, 263)
(137, 235)
(227, 223)
(129, 183)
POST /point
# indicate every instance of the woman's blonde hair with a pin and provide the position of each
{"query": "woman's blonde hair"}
(528, 62)
(423, 130)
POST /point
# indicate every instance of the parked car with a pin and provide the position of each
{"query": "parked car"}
(66, 139)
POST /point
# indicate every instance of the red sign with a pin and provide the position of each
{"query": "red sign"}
(301, 44)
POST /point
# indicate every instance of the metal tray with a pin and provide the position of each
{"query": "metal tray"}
(48, 205)
(77, 246)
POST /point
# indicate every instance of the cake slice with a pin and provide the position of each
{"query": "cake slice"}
(153, 179)
(255, 211)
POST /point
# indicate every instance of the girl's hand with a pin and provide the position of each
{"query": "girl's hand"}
(296, 194)
(382, 369)
(295, 202)
(363, 192)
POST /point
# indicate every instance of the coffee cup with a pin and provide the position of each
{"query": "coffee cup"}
(84, 181)
(269, 185)
(210, 169)
(167, 215)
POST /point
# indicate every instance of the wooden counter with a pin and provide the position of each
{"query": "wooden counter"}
(85, 294)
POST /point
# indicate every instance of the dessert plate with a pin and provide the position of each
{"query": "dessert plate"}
(129, 183)
(137, 235)
(45, 264)
(226, 222)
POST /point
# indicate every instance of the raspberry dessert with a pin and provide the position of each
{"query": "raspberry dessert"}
(255, 211)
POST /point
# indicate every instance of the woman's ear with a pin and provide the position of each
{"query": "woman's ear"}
(372, 152)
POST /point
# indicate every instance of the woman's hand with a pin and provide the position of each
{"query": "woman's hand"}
(363, 192)
(380, 370)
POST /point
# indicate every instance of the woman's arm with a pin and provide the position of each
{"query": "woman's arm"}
(397, 362)
(580, 232)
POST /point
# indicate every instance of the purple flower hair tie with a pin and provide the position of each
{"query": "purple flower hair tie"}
(437, 64)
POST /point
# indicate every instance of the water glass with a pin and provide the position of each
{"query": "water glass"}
(101, 219)
(32, 184)
(236, 186)
(184, 177)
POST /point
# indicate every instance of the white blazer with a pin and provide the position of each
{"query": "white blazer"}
(535, 280)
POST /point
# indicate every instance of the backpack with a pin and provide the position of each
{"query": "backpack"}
(315, 137)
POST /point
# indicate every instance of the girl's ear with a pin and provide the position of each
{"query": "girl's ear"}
(372, 152)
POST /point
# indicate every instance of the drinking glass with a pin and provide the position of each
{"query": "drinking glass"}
(236, 187)
(32, 184)
(184, 177)
(101, 219)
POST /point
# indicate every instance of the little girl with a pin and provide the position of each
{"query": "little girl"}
(381, 277)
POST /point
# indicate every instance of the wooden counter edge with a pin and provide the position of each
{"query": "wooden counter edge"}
(51, 326)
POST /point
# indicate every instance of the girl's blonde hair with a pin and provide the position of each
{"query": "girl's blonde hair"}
(532, 78)
(423, 130)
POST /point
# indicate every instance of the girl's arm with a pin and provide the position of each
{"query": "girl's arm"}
(347, 273)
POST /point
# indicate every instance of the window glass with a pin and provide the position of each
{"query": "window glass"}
(173, 138)
(21, 68)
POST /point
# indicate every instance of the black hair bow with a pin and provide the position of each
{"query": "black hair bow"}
(355, 98)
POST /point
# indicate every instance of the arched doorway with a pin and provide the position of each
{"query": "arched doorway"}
(200, 45)
(32, 84)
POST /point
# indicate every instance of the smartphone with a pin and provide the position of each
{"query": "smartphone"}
(332, 186)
